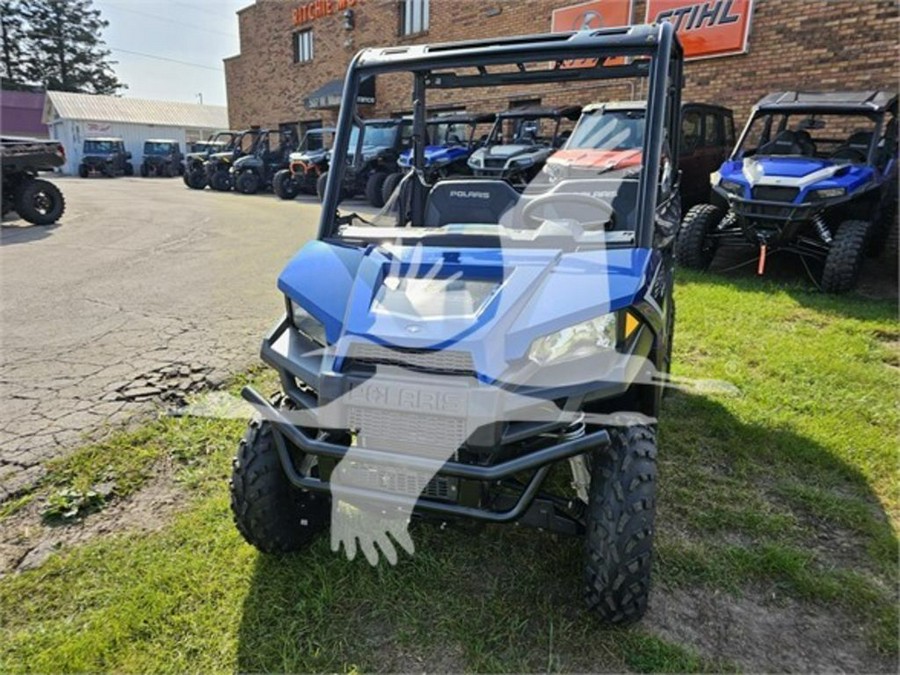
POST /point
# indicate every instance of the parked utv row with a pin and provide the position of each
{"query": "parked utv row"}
(108, 157)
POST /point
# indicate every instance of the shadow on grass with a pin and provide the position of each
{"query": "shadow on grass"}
(509, 599)
(738, 264)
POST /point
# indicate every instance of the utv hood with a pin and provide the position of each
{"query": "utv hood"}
(804, 173)
(508, 151)
(492, 303)
(437, 155)
(588, 158)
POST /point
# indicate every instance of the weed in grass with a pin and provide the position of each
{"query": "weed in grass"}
(69, 504)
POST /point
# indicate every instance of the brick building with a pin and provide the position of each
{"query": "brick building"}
(294, 53)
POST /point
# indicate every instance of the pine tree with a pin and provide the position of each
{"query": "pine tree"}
(65, 47)
(12, 32)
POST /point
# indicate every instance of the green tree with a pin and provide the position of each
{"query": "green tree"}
(12, 33)
(65, 49)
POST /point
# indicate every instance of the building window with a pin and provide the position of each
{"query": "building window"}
(303, 46)
(413, 16)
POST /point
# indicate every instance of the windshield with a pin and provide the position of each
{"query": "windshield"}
(317, 140)
(157, 148)
(609, 130)
(448, 133)
(524, 131)
(829, 136)
(501, 189)
(101, 147)
(379, 134)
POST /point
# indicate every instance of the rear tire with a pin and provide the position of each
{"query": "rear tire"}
(40, 202)
(374, 186)
(283, 185)
(83, 171)
(144, 171)
(621, 513)
(845, 257)
(129, 169)
(269, 512)
(195, 179)
(390, 184)
(694, 248)
(220, 181)
(247, 183)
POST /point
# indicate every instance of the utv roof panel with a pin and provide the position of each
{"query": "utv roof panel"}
(114, 139)
(160, 140)
(641, 40)
(569, 112)
(642, 105)
(836, 101)
(463, 118)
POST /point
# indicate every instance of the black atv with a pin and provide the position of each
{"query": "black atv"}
(373, 157)
(105, 156)
(255, 171)
(218, 165)
(306, 165)
(195, 171)
(36, 200)
(162, 157)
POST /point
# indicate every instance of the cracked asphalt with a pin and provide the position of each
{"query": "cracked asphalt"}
(143, 292)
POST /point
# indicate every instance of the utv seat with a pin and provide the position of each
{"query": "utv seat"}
(856, 147)
(785, 143)
(469, 201)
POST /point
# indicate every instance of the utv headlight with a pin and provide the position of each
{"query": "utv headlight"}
(575, 342)
(307, 324)
(732, 187)
(476, 162)
(523, 161)
(829, 193)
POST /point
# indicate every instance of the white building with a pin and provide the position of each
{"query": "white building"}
(74, 117)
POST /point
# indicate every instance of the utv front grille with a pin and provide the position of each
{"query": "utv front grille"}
(494, 163)
(772, 193)
(406, 432)
(443, 361)
(400, 481)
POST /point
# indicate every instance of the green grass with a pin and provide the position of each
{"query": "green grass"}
(791, 484)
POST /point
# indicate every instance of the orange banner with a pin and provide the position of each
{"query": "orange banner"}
(707, 29)
(590, 16)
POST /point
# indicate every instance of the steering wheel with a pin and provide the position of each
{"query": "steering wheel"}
(565, 202)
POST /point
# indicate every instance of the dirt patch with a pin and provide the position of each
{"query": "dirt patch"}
(26, 541)
(760, 633)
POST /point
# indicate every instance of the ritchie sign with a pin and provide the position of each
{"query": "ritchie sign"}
(310, 11)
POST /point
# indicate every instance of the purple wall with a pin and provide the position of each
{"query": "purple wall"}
(20, 113)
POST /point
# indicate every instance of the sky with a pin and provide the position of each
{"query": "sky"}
(172, 50)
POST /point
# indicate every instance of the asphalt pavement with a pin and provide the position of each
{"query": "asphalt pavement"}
(143, 292)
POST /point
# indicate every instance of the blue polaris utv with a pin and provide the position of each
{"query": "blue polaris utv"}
(438, 360)
(812, 173)
(451, 141)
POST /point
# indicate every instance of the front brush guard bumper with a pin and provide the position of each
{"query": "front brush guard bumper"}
(538, 461)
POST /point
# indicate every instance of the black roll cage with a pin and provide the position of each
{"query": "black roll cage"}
(783, 113)
(651, 51)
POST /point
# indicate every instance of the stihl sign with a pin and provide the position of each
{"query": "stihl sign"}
(706, 29)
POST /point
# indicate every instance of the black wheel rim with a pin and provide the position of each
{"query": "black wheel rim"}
(42, 203)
